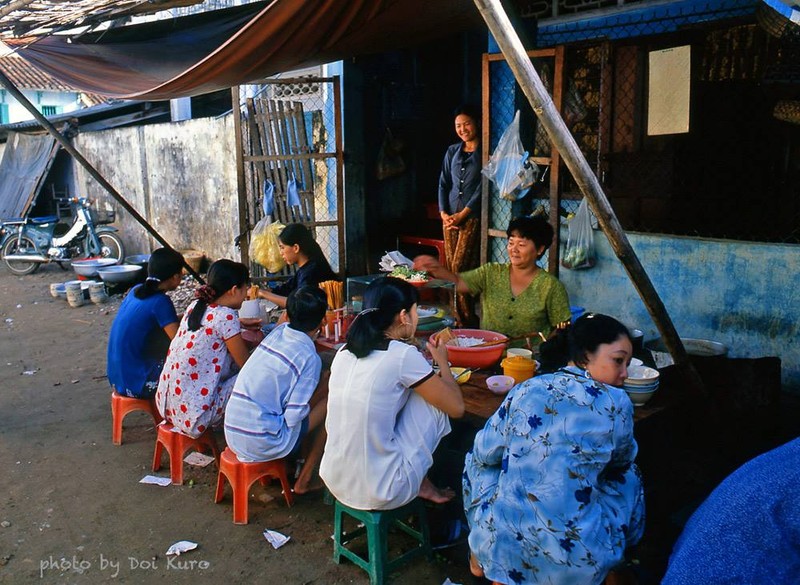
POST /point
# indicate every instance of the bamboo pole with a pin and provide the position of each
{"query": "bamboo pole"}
(511, 46)
(45, 123)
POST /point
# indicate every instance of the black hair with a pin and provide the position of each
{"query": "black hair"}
(306, 306)
(222, 276)
(535, 229)
(164, 263)
(298, 234)
(589, 331)
(384, 298)
(468, 110)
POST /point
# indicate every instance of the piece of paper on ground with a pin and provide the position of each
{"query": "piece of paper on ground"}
(198, 459)
(155, 480)
(181, 546)
(276, 539)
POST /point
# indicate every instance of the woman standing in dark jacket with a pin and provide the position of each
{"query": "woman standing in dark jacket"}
(460, 199)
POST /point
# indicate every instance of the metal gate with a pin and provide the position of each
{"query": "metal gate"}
(290, 137)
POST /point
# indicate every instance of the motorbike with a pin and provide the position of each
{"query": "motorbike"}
(29, 242)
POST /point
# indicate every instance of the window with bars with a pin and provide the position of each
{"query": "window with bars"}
(50, 110)
(4, 114)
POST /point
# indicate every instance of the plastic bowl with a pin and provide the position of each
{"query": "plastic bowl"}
(500, 384)
(477, 357)
(90, 267)
(457, 372)
(120, 274)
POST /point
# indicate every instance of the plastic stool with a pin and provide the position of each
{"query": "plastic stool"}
(177, 444)
(242, 475)
(376, 524)
(438, 245)
(121, 406)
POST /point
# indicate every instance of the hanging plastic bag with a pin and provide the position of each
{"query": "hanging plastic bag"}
(264, 248)
(579, 251)
(509, 167)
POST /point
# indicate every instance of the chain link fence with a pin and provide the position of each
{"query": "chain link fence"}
(290, 147)
(735, 174)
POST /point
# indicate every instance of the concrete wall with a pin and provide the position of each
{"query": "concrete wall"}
(743, 294)
(181, 177)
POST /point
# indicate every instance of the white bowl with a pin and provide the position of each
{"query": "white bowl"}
(500, 384)
(520, 351)
(641, 375)
(640, 398)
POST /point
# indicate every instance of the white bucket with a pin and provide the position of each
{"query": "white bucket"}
(97, 293)
(75, 297)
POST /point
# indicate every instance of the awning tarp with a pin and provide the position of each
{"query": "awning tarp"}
(216, 50)
(26, 159)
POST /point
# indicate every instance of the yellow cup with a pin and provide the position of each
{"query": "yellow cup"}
(518, 367)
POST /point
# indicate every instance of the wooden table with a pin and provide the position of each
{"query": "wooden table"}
(480, 403)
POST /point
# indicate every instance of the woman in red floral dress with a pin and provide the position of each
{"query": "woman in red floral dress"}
(206, 354)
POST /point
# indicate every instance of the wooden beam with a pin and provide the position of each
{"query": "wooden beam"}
(530, 82)
(67, 145)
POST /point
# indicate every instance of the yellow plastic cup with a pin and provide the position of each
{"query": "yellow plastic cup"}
(518, 367)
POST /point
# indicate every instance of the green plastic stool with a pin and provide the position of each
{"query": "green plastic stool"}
(376, 524)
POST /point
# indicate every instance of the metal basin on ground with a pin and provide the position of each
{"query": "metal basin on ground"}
(124, 273)
(89, 268)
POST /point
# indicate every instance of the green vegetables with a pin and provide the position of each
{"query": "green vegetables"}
(406, 273)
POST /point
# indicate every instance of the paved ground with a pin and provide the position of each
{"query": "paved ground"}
(73, 510)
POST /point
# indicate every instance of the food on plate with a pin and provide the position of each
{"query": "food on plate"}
(406, 273)
(464, 341)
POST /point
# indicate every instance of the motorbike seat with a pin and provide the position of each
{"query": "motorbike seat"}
(35, 220)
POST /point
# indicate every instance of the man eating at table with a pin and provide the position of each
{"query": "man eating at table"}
(269, 415)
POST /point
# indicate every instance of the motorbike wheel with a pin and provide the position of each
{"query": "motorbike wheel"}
(19, 266)
(112, 246)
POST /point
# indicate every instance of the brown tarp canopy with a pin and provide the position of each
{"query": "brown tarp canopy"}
(217, 50)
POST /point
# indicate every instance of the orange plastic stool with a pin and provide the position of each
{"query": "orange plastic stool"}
(243, 475)
(177, 444)
(121, 406)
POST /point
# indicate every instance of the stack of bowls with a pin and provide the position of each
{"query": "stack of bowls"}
(641, 384)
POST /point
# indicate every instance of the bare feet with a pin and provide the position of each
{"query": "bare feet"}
(428, 491)
(474, 566)
(307, 487)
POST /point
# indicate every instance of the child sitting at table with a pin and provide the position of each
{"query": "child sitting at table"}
(143, 328)
(268, 415)
(206, 354)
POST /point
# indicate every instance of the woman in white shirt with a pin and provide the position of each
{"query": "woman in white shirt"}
(387, 410)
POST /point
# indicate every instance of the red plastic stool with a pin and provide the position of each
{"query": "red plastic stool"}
(121, 406)
(177, 444)
(438, 245)
(243, 475)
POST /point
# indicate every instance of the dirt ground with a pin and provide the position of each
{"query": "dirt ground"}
(74, 510)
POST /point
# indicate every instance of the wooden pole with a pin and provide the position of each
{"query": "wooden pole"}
(45, 123)
(509, 43)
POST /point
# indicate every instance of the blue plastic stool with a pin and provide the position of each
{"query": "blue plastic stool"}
(376, 524)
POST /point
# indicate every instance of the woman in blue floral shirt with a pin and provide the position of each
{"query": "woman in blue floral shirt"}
(550, 489)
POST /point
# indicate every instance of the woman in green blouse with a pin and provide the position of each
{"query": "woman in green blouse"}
(519, 297)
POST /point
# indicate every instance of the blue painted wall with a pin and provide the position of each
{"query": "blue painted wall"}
(743, 294)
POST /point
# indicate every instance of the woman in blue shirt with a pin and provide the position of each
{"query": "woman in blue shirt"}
(143, 328)
(460, 199)
(551, 492)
